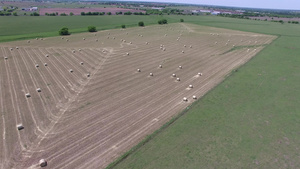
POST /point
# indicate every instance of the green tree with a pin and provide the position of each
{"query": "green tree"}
(92, 29)
(108, 13)
(123, 26)
(71, 13)
(141, 23)
(15, 14)
(64, 31)
(181, 20)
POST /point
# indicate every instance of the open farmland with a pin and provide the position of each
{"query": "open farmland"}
(77, 11)
(85, 121)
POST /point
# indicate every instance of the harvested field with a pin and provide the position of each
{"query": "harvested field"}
(78, 121)
(77, 11)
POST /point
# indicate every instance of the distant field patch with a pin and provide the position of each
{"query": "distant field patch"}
(77, 11)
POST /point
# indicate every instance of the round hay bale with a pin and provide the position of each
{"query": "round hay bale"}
(83, 38)
(233, 45)
(184, 45)
(164, 49)
(173, 75)
(5, 58)
(182, 51)
(88, 75)
(38, 90)
(126, 33)
(160, 66)
(47, 55)
(191, 46)
(73, 51)
(36, 65)
(20, 126)
(190, 86)
(27, 95)
(28, 41)
(42, 39)
(81, 63)
(185, 99)
(79, 50)
(17, 47)
(194, 97)
(43, 163)
(114, 38)
(180, 67)
(216, 42)
(127, 53)
(96, 40)
(45, 64)
(138, 70)
(130, 42)
(147, 43)
(178, 79)
(151, 74)
(71, 70)
(199, 74)
(37, 38)
(67, 40)
(62, 37)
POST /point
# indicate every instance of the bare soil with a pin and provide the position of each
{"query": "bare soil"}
(87, 122)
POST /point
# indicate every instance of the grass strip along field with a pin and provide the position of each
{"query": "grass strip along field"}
(251, 120)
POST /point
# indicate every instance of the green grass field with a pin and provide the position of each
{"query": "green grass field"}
(251, 120)
(27, 27)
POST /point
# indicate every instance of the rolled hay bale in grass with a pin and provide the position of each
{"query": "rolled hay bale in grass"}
(11, 49)
(233, 45)
(184, 45)
(103, 51)
(47, 55)
(62, 38)
(190, 86)
(121, 40)
(166, 35)
(160, 66)
(37, 65)
(96, 40)
(191, 46)
(28, 41)
(73, 51)
(126, 33)
(180, 67)
(173, 75)
(141, 35)
(43, 163)
(83, 38)
(38, 90)
(45, 64)
(147, 43)
(228, 40)
(124, 40)
(88, 75)
(194, 97)
(199, 74)
(79, 50)
(182, 51)
(114, 38)
(127, 53)
(178, 79)
(20, 126)
(81, 63)
(5, 58)
(226, 44)
(216, 42)
(254, 49)
(71, 70)
(17, 47)
(27, 95)
(138, 70)
(151, 74)
(42, 39)
(185, 99)
(164, 49)
(37, 38)
(130, 42)
(161, 47)
(248, 50)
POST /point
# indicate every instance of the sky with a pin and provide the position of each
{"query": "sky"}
(269, 4)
